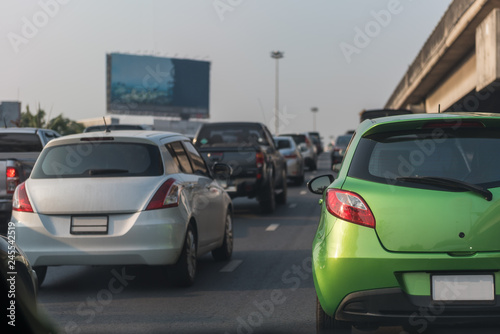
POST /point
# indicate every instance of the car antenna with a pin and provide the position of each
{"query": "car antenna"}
(106, 129)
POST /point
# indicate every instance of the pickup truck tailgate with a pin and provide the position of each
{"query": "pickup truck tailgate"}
(242, 160)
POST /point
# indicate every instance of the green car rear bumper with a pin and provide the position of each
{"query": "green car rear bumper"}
(357, 280)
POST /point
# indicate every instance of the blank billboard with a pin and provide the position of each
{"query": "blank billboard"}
(148, 85)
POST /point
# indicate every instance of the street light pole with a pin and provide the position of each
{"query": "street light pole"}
(314, 110)
(276, 55)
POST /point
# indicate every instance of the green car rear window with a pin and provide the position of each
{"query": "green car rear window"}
(469, 155)
(99, 160)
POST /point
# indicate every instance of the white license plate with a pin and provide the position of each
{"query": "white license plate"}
(89, 225)
(463, 288)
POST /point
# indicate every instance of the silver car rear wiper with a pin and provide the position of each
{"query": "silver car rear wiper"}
(447, 182)
(106, 171)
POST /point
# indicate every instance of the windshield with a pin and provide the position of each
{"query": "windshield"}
(466, 155)
(102, 160)
(20, 142)
(230, 135)
(343, 141)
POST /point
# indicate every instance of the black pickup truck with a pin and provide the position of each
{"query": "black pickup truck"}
(259, 170)
(19, 149)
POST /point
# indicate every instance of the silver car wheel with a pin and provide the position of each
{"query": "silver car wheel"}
(191, 253)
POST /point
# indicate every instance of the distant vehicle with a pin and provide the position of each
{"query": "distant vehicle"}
(19, 149)
(114, 127)
(399, 234)
(316, 139)
(259, 170)
(307, 148)
(376, 113)
(338, 150)
(123, 198)
(294, 159)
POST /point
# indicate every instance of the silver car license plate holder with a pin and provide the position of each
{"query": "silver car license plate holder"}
(89, 225)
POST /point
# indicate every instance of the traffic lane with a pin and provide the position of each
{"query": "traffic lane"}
(267, 287)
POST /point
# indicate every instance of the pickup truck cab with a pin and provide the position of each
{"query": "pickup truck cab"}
(259, 170)
(19, 149)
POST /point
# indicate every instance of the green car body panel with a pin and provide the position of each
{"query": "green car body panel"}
(417, 231)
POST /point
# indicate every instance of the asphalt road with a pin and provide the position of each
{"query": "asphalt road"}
(266, 288)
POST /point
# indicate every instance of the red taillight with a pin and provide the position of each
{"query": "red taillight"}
(259, 162)
(167, 196)
(20, 201)
(12, 179)
(350, 207)
(259, 159)
(290, 156)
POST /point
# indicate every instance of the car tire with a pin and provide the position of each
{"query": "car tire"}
(282, 196)
(328, 324)
(41, 272)
(184, 271)
(225, 251)
(267, 200)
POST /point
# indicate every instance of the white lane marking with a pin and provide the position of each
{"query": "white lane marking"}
(231, 266)
(303, 192)
(272, 227)
(293, 206)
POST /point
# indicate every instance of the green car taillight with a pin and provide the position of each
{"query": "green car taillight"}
(350, 207)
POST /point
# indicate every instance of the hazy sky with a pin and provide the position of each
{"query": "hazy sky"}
(340, 56)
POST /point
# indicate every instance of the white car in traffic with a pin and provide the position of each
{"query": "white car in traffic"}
(123, 198)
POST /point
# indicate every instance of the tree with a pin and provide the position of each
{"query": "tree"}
(65, 126)
(33, 121)
(62, 125)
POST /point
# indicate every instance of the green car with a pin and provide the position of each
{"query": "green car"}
(409, 233)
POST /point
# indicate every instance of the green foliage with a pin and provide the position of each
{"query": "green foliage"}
(33, 120)
(63, 125)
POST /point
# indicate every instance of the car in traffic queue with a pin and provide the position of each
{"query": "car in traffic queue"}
(123, 198)
(306, 147)
(295, 165)
(316, 139)
(339, 149)
(411, 223)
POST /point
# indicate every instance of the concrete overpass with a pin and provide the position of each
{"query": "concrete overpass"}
(458, 67)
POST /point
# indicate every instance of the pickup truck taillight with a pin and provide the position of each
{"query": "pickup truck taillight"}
(20, 201)
(259, 162)
(12, 179)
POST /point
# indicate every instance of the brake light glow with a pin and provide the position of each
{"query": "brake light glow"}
(167, 196)
(259, 159)
(259, 162)
(20, 200)
(290, 156)
(350, 207)
(12, 179)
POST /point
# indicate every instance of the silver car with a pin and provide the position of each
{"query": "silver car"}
(306, 147)
(294, 160)
(123, 198)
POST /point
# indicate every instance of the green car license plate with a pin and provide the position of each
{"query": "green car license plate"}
(463, 288)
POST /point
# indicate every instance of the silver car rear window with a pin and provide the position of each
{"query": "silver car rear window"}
(99, 160)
